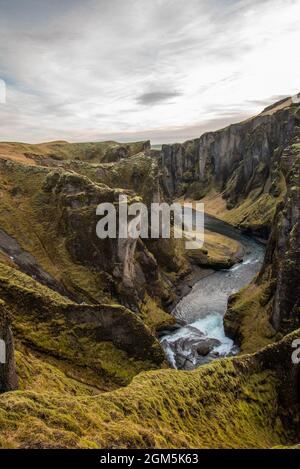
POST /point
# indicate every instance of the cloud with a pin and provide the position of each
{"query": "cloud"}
(2, 92)
(271, 100)
(155, 97)
(88, 70)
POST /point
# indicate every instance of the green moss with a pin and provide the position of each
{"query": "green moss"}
(218, 252)
(109, 341)
(215, 406)
(247, 319)
(38, 372)
(154, 316)
(62, 150)
(196, 190)
(256, 211)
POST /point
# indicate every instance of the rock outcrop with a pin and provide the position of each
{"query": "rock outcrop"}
(283, 252)
(277, 286)
(109, 341)
(240, 161)
(255, 167)
(93, 305)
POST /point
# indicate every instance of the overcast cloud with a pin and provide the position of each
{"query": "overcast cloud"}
(161, 69)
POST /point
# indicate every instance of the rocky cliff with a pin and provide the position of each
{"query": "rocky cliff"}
(92, 305)
(254, 167)
(273, 298)
(241, 162)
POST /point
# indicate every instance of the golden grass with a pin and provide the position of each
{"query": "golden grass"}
(216, 406)
(248, 317)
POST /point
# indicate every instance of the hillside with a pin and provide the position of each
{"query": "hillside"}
(81, 316)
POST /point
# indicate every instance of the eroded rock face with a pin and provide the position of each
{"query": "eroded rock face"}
(125, 151)
(278, 357)
(240, 160)
(258, 159)
(283, 252)
(76, 198)
(86, 336)
(8, 376)
(125, 268)
(27, 263)
(279, 278)
(60, 239)
(241, 154)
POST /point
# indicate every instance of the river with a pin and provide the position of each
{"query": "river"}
(201, 337)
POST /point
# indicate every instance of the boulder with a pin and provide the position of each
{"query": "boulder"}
(206, 346)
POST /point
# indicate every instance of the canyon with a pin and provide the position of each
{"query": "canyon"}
(82, 317)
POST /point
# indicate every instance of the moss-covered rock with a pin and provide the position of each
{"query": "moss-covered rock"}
(270, 306)
(57, 152)
(107, 339)
(218, 252)
(241, 162)
(247, 402)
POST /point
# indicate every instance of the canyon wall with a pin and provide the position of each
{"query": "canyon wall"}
(94, 305)
(269, 307)
(254, 166)
(240, 162)
(282, 259)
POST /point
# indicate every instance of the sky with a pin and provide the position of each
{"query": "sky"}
(165, 70)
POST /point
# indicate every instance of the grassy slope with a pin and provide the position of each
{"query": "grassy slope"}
(248, 317)
(220, 405)
(218, 251)
(43, 320)
(255, 212)
(62, 150)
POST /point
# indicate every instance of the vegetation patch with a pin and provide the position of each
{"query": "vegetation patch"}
(222, 405)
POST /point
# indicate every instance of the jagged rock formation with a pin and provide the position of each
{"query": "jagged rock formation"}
(283, 255)
(61, 204)
(240, 161)
(254, 165)
(95, 304)
(278, 284)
